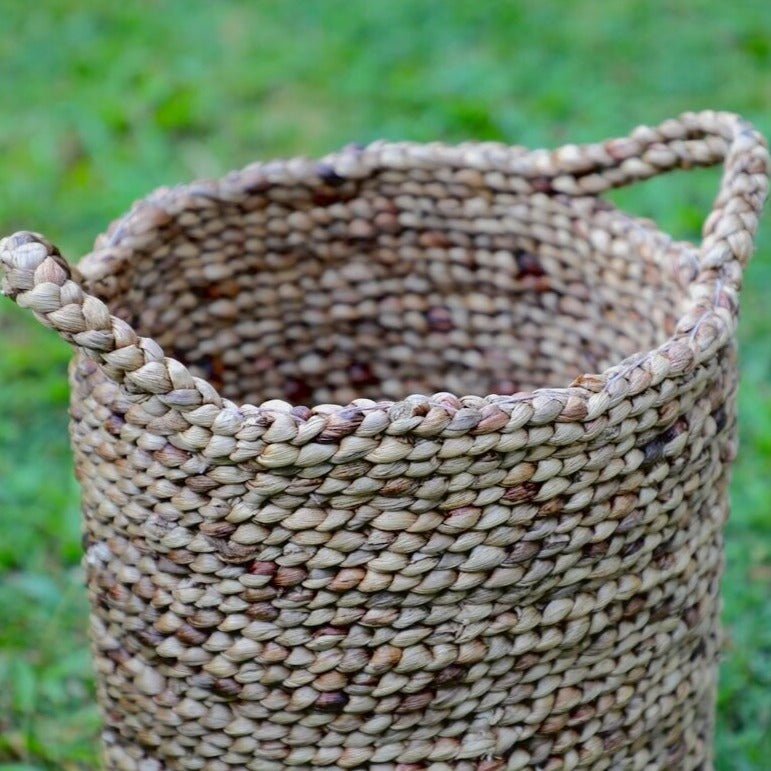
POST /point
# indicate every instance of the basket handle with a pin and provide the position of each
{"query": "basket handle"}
(36, 276)
(694, 139)
(39, 278)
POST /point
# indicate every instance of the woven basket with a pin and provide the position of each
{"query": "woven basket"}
(527, 579)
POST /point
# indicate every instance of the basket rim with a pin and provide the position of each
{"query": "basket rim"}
(707, 321)
(585, 398)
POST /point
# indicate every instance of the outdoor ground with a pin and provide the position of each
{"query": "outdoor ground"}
(101, 102)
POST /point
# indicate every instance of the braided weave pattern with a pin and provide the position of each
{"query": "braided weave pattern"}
(304, 550)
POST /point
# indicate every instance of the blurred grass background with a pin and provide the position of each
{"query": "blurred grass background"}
(101, 102)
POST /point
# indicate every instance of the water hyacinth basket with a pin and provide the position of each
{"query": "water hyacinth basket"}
(308, 548)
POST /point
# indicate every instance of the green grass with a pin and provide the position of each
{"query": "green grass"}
(101, 102)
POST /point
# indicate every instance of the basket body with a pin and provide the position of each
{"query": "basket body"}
(528, 579)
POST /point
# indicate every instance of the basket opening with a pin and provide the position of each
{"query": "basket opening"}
(393, 286)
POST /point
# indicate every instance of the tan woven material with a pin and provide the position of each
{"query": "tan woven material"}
(526, 577)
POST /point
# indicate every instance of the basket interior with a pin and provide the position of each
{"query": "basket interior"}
(399, 283)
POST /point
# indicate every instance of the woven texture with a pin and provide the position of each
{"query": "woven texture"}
(306, 549)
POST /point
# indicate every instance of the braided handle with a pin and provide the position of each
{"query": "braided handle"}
(36, 276)
(694, 139)
(728, 234)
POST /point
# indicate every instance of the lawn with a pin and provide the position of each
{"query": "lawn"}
(101, 102)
